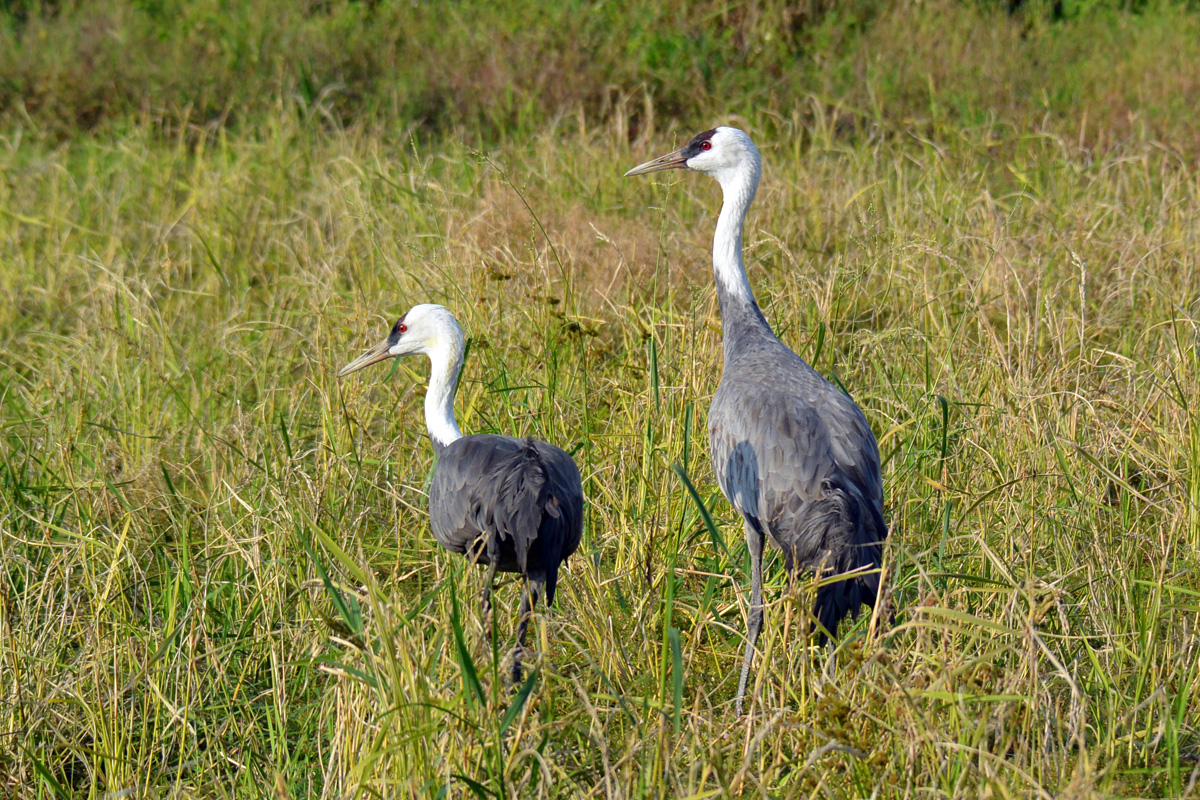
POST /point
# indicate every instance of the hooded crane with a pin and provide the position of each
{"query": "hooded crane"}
(512, 505)
(792, 453)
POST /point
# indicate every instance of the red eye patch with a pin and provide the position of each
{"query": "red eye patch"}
(706, 145)
(402, 327)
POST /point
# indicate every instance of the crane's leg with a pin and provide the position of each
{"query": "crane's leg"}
(529, 599)
(754, 541)
(487, 600)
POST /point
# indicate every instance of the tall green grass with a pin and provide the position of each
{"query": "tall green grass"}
(216, 575)
(498, 72)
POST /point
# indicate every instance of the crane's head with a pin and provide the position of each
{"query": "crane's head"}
(427, 328)
(723, 153)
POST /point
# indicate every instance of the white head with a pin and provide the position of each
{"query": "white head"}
(427, 328)
(726, 154)
(432, 330)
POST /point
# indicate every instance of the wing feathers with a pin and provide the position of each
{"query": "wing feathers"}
(519, 501)
(806, 467)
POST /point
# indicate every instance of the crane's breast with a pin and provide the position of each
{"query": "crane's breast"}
(771, 451)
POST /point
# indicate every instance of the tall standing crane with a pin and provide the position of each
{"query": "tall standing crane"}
(792, 452)
(513, 505)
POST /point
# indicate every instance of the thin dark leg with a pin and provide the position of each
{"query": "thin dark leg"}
(529, 599)
(754, 541)
(487, 600)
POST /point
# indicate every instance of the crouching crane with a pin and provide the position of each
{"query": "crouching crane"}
(512, 505)
(792, 453)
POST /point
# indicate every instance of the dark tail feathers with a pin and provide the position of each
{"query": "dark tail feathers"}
(838, 600)
(518, 508)
(529, 513)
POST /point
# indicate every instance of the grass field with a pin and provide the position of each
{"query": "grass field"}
(216, 573)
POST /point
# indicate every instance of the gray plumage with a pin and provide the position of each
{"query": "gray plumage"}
(792, 453)
(511, 505)
(797, 459)
(516, 504)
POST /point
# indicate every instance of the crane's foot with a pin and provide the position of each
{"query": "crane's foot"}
(487, 602)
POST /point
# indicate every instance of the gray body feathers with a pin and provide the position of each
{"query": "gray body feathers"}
(516, 504)
(793, 454)
(797, 459)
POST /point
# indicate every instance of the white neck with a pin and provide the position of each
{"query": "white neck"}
(445, 364)
(738, 187)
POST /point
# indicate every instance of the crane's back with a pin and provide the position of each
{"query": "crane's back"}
(515, 503)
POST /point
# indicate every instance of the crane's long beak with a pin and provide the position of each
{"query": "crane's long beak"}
(373, 356)
(674, 160)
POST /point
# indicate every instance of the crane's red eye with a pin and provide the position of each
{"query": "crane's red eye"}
(402, 327)
(706, 145)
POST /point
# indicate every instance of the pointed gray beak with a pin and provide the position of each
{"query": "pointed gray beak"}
(674, 160)
(373, 356)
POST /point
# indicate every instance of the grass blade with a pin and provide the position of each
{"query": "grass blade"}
(677, 676)
(46, 776)
(342, 556)
(348, 611)
(466, 664)
(717, 540)
(479, 789)
(514, 709)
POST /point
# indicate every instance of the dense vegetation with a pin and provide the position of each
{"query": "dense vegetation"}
(216, 575)
(491, 72)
